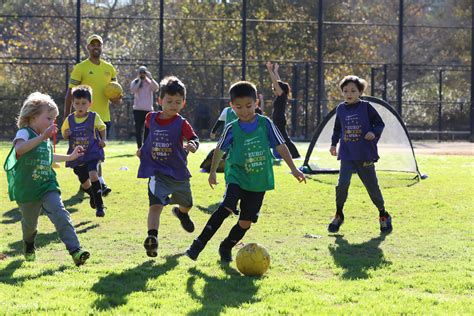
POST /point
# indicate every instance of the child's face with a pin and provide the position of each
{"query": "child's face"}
(81, 106)
(244, 108)
(350, 93)
(172, 104)
(42, 121)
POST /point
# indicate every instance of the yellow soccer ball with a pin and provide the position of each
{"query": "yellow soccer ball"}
(113, 90)
(253, 260)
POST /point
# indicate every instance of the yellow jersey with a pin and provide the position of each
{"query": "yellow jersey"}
(97, 77)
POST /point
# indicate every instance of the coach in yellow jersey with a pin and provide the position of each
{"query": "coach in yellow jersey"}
(96, 73)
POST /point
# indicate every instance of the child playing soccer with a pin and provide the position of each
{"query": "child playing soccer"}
(358, 127)
(163, 159)
(32, 180)
(83, 128)
(248, 172)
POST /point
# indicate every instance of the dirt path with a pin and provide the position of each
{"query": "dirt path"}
(443, 148)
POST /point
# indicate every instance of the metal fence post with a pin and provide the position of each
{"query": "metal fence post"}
(162, 32)
(78, 31)
(440, 104)
(244, 38)
(320, 62)
(400, 58)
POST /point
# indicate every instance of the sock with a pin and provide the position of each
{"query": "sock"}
(88, 191)
(97, 193)
(340, 214)
(101, 180)
(235, 235)
(153, 232)
(213, 224)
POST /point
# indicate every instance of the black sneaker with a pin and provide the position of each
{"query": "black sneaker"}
(105, 189)
(92, 202)
(151, 246)
(225, 253)
(184, 218)
(385, 224)
(335, 224)
(100, 211)
(195, 249)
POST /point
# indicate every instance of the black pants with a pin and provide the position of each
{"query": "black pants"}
(281, 125)
(139, 117)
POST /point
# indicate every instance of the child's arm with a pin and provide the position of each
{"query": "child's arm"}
(275, 70)
(376, 123)
(285, 154)
(78, 152)
(103, 137)
(216, 158)
(22, 147)
(336, 135)
(188, 134)
(276, 86)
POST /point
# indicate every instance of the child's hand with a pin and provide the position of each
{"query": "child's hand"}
(139, 152)
(102, 143)
(333, 150)
(276, 67)
(212, 179)
(78, 152)
(190, 146)
(369, 136)
(67, 133)
(49, 132)
(298, 175)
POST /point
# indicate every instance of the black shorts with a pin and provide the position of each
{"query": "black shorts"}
(82, 171)
(250, 202)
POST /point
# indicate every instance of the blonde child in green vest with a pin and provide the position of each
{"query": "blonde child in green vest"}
(31, 179)
(248, 170)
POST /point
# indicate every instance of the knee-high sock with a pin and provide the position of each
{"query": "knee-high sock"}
(213, 224)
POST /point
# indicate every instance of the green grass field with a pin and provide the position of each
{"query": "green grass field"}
(425, 266)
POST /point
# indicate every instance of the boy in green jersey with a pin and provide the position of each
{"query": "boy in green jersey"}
(248, 170)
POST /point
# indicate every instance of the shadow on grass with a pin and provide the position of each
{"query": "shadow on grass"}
(208, 209)
(14, 215)
(218, 293)
(114, 288)
(122, 156)
(43, 240)
(358, 259)
(6, 274)
(387, 180)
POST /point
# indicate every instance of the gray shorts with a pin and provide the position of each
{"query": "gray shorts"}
(160, 187)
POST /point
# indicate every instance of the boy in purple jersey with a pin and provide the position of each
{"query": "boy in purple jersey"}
(85, 128)
(163, 159)
(358, 127)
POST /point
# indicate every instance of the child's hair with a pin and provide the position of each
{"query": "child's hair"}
(243, 89)
(360, 83)
(285, 87)
(33, 106)
(172, 85)
(82, 92)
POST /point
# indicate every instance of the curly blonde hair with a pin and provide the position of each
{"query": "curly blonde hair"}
(34, 105)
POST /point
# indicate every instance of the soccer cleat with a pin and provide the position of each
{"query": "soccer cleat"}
(100, 211)
(195, 249)
(151, 246)
(184, 218)
(335, 224)
(80, 256)
(105, 189)
(29, 251)
(225, 253)
(92, 202)
(385, 224)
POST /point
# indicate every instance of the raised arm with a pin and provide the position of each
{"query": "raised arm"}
(276, 87)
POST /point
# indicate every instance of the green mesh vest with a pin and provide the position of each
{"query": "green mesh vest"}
(250, 162)
(31, 176)
(230, 116)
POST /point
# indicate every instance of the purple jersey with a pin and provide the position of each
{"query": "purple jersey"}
(163, 152)
(84, 134)
(355, 124)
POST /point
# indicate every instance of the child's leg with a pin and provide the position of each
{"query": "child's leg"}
(367, 175)
(30, 213)
(182, 196)
(96, 188)
(250, 205)
(342, 188)
(154, 214)
(54, 208)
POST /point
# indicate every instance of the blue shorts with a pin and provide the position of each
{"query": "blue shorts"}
(82, 171)
(250, 202)
(161, 187)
